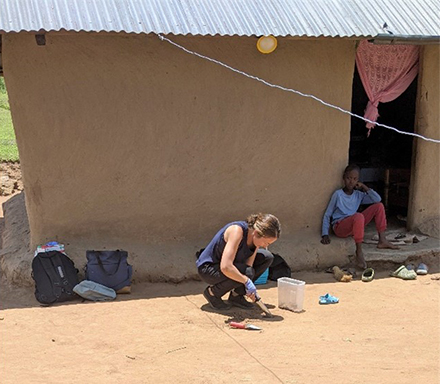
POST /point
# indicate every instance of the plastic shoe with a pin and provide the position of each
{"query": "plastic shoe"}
(328, 299)
(368, 275)
(403, 273)
(410, 267)
(422, 269)
(239, 301)
(215, 302)
(352, 272)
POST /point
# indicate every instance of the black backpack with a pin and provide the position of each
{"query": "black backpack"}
(55, 276)
(279, 268)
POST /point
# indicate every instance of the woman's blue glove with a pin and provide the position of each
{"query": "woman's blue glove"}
(250, 288)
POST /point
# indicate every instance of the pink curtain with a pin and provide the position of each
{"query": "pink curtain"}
(386, 72)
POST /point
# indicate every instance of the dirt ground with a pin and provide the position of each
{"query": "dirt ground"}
(10, 178)
(10, 182)
(385, 331)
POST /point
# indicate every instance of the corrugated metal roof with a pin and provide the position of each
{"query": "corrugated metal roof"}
(311, 18)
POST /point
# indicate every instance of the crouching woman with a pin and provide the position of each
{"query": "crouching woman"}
(235, 258)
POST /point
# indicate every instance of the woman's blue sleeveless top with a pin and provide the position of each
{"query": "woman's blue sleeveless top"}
(214, 251)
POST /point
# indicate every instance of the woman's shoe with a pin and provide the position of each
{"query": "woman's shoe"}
(239, 301)
(215, 302)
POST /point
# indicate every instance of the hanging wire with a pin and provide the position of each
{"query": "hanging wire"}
(163, 38)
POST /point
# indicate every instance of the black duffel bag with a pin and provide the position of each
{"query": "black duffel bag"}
(109, 268)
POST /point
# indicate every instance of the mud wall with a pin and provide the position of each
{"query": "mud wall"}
(424, 210)
(128, 142)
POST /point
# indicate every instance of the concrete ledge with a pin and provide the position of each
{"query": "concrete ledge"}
(175, 262)
(426, 248)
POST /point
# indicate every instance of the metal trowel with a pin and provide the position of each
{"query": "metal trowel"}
(249, 327)
(263, 306)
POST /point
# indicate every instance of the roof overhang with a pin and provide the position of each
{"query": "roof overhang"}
(387, 38)
(356, 19)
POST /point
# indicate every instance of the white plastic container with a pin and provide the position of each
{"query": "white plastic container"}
(291, 294)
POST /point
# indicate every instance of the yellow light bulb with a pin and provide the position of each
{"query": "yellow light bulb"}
(267, 44)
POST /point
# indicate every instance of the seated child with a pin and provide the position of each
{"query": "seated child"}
(346, 221)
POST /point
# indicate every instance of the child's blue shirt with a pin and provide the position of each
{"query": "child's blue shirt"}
(342, 205)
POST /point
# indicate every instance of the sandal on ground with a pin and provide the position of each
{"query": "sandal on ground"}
(239, 301)
(352, 272)
(410, 267)
(368, 275)
(328, 299)
(215, 302)
(403, 273)
(422, 269)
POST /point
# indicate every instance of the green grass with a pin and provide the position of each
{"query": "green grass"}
(8, 145)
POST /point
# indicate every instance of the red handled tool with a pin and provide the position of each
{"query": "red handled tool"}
(249, 327)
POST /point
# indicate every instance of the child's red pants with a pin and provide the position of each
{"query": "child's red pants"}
(354, 225)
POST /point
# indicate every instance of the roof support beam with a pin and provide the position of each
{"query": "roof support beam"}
(388, 38)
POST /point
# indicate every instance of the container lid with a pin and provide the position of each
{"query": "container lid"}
(288, 280)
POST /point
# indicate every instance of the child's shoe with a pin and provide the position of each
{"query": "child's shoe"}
(422, 269)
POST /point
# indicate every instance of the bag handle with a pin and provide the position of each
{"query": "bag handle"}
(102, 265)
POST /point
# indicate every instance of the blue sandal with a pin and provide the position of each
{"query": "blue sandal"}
(328, 299)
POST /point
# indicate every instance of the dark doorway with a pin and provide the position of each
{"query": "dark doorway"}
(385, 156)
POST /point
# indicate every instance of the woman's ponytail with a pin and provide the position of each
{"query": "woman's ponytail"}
(265, 224)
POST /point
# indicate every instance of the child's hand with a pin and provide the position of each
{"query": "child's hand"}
(325, 239)
(362, 187)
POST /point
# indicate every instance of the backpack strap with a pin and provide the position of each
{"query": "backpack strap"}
(57, 281)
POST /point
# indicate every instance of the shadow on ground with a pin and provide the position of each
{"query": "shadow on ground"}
(23, 297)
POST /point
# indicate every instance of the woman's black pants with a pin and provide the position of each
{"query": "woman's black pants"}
(221, 284)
